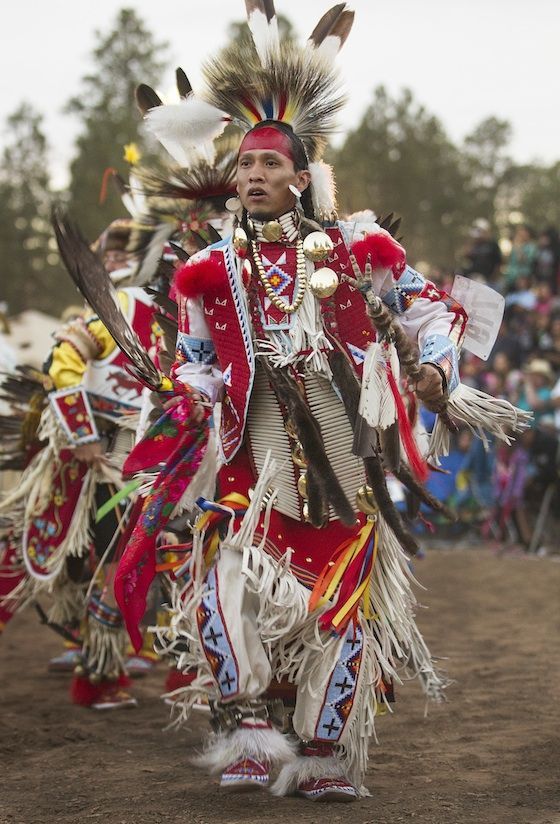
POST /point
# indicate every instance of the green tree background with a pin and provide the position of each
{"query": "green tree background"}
(399, 158)
(32, 275)
(123, 58)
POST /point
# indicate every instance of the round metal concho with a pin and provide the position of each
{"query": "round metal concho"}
(323, 283)
(240, 241)
(272, 231)
(365, 500)
(317, 246)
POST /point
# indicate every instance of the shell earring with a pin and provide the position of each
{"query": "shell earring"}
(233, 205)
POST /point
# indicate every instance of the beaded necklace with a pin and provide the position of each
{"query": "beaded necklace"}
(301, 270)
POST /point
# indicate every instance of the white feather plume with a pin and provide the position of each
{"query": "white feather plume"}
(184, 126)
(263, 31)
(135, 200)
(323, 189)
(329, 48)
(377, 404)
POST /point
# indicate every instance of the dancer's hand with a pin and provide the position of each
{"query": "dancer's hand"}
(429, 387)
(197, 409)
(90, 453)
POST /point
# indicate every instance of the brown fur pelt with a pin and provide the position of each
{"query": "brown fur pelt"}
(376, 479)
(325, 489)
(390, 443)
(405, 476)
(349, 388)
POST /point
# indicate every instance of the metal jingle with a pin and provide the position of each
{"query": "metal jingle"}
(302, 485)
(240, 241)
(317, 246)
(305, 511)
(95, 677)
(365, 502)
(272, 231)
(298, 457)
(79, 670)
(323, 283)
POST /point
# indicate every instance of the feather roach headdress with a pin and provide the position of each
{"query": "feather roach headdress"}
(265, 79)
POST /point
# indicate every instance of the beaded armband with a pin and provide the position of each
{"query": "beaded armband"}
(73, 413)
(194, 350)
(405, 291)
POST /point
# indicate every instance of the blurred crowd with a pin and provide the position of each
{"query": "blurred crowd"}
(512, 495)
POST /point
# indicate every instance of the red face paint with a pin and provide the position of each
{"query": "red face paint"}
(267, 138)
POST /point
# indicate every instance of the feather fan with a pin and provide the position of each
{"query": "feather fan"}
(89, 275)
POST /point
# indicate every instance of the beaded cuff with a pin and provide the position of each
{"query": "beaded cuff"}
(73, 412)
(442, 352)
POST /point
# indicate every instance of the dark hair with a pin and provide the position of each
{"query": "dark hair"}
(299, 158)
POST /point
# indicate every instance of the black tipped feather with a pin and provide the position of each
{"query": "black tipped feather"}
(200, 242)
(147, 98)
(179, 251)
(164, 301)
(183, 83)
(325, 24)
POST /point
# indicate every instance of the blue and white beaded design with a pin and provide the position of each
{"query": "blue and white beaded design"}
(195, 350)
(442, 351)
(405, 291)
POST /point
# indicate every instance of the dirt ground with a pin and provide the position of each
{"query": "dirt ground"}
(489, 755)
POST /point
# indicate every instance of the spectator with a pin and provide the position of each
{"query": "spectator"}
(508, 342)
(536, 388)
(522, 259)
(482, 256)
(521, 294)
(548, 259)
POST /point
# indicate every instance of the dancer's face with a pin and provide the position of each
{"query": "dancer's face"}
(263, 178)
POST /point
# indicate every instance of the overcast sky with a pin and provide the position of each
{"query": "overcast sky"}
(463, 59)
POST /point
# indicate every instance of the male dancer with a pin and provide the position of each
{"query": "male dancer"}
(302, 573)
